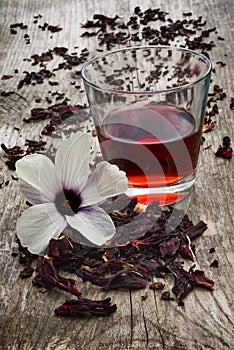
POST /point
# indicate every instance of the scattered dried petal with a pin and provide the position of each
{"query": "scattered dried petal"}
(84, 306)
(157, 285)
(215, 264)
(225, 151)
(166, 296)
(6, 77)
(48, 277)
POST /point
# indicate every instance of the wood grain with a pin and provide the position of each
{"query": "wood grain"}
(27, 320)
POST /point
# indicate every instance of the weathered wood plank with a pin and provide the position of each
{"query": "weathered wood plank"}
(27, 319)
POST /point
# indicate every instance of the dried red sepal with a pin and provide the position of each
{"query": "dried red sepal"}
(25, 258)
(26, 272)
(14, 153)
(219, 92)
(54, 29)
(104, 18)
(197, 230)
(85, 306)
(208, 125)
(232, 103)
(6, 77)
(225, 151)
(156, 285)
(186, 280)
(56, 113)
(44, 57)
(60, 249)
(166, 296)
(35, 77)
(19, 25)
(121, 279)
(6, 93)
(131, 265)
(149, 268)
(215, 264)
(198, 278)
(60, 50)
(88, 34)
(169, 247)
(185, 249)
(101, 21)
(48, 277)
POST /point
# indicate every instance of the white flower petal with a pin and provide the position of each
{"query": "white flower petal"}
(94, 224)
(39, 179)
(105, 182)
(37, 225)
(72, 161)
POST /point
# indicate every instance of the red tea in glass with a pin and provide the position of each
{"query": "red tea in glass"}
(148, 105)
(155, 144)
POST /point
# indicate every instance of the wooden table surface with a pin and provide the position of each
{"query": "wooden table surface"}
(206, 321)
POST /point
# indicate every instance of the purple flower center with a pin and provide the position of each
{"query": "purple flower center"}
(68, 202)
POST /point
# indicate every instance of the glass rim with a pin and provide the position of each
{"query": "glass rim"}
(145, 92)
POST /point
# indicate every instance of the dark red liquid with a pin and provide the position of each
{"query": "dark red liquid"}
(155, 144)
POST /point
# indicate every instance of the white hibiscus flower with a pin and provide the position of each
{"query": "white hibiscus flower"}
(66, 193)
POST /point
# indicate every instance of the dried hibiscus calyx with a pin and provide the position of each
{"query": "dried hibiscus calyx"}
(13, 153)
(125, 278)
(60, 249)
(25, 258)
(56, 114)
(49, 278)
(84, 306)
(185, 281)
(169, 247)
(164, 236)
(208, 125)
(185, 248)
(225, 151)
(232, 103)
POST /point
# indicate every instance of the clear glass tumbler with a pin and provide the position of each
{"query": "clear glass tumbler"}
(148, 105)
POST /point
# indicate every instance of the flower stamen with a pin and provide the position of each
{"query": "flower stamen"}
(68, 202)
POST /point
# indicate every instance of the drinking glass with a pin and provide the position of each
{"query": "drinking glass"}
(148, 105)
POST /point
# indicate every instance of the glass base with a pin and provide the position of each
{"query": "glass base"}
(165, 195)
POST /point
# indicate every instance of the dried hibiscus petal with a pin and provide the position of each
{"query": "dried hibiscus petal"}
(232, 103)
(198, 278)
(150, 268)
(196, 230)
(13, 153)
(104, 18)
(225, 151)
(215, 264)
(84, 306)
(208, 125)
(219, 91)
(129, 265)
(6, 77)
(186, 280)
(60, 249)
(121, 279)
(48, 277)
(156, 285)
(170, 246)
(54, 29)
(166, 296)
(26, 272)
